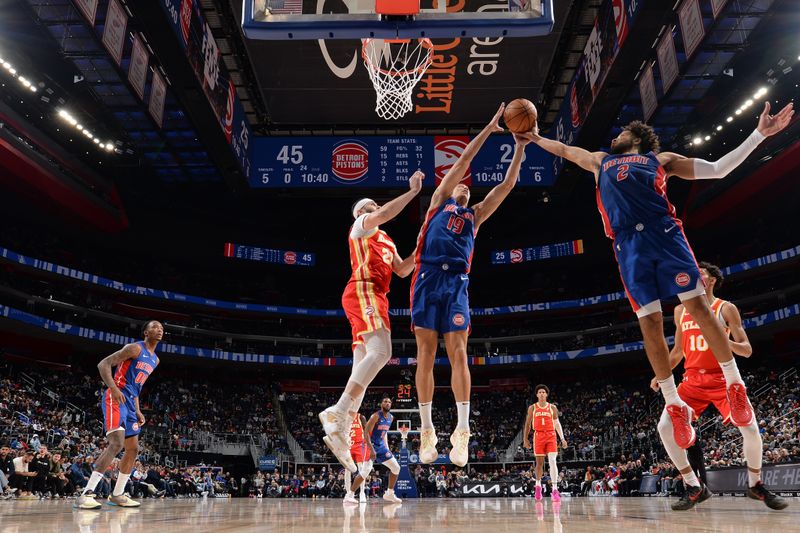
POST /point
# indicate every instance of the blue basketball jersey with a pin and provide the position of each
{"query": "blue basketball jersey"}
(631, 189)
(132, 373)
(448, 237)
(379, 431)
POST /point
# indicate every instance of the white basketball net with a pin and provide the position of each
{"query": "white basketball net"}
(395, 67)
(404, 432)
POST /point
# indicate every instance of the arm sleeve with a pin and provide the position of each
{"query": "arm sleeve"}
(358, 230)
(558, 428)
(723, 166)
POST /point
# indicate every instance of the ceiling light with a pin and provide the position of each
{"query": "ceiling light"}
(719, 128)
(729, 119)
(79, 127)
(32, 88)
(62, 113)
(109, 146)
(708, 137)
(748, 103)
(12, 70)
(697, 140)
(738, 111)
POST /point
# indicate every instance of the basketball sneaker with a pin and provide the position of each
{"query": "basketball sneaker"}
(459, 453)
(771, 500)
(337, 436)
(427, 446)
(692, 497)
(123, 500)
(87, 501)
(556, 496)
(537, 493)
(682, 430)
(741, 410)
(350, 498)
(390, 496)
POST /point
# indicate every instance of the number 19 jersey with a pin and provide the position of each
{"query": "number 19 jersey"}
(448, 238)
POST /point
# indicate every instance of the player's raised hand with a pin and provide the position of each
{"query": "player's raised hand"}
(415, 181)
(522, 139)
(654, 384)
(772, 124)
(494, 124)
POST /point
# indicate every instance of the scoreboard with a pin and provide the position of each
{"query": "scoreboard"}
(269, 255)
(537, 253)
(320, 162)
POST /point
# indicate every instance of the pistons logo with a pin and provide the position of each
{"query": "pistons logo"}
(227, 122)
(458, 319)
(446, 152)
(369, 310)
(186, 19)
(136, 426)
(289, 258)
(573, 105)
(516, 255)
(682, 279)
(350, 161)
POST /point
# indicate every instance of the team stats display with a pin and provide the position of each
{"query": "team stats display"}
(537, 253)
(269, 255)
(287, 162)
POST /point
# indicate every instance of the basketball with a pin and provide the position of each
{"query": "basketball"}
(520, 115)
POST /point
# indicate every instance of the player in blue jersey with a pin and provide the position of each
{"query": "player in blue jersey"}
(439, 300)
(656, 261)
(377, 427)
(122, 416)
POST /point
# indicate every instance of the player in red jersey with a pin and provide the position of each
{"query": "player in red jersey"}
(373, 258)
(363, 454)
(542, 419)
(704, 384)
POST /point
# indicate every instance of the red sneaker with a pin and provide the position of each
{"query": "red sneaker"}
(682, 429)
(741, 410)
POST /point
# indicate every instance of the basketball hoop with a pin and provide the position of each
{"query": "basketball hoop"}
(395, 66)
(404, 432)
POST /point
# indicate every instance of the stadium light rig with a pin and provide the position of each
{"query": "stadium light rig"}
(65, 115)
(13, 73)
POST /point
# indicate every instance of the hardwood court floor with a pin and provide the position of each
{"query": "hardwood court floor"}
(628, 515)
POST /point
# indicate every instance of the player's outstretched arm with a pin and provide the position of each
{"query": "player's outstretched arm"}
(692, 168)
(391, 209)
(740, 344)
(129, 351)
(583, 158)
(676, 354)
(403, 267)
(489, 205)
(457, 171)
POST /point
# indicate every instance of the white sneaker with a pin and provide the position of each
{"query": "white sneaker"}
(390, 496)
(362, 497)
(427, 446)
(459, 454)
(123, 500)
(350, 498)
(87, 501)
(337, 436)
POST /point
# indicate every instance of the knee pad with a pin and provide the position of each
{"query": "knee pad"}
(392, 465)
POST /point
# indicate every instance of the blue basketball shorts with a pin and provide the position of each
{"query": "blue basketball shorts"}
(116, 415)
(382, 453)
(655, 263)
(439, 300)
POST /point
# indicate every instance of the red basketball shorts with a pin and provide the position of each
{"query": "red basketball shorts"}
(699, 390)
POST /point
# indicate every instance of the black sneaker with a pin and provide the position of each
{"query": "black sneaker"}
(692, 497)
(773, 501)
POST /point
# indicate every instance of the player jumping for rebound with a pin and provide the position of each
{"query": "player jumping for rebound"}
(377, 426)
(655, 259)
(704, 384)
(542, 419)
(439, 299)
(373, 258)
(121, 414)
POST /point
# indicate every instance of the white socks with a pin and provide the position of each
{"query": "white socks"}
(753, 478)
(94, 480)
(691, 479)
(731, 372)
(425, 415)
(463, 415)
(345, 403)
(670, 391)
(119, 487)
(538, 482)
(551, 459)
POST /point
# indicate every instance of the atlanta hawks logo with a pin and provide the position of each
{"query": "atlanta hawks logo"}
(458, 319)
(682, 279)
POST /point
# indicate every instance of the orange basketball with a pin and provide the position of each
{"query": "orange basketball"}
(520, 115)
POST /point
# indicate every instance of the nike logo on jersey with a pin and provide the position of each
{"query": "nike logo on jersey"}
(670, 228)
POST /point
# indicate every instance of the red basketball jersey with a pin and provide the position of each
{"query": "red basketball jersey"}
(371, 260)
(356, 436)
(698, 354)
(542, 418)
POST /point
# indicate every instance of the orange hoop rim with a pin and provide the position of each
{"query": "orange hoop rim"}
(423, 42)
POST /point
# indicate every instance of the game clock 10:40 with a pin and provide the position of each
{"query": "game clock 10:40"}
(290, 162)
